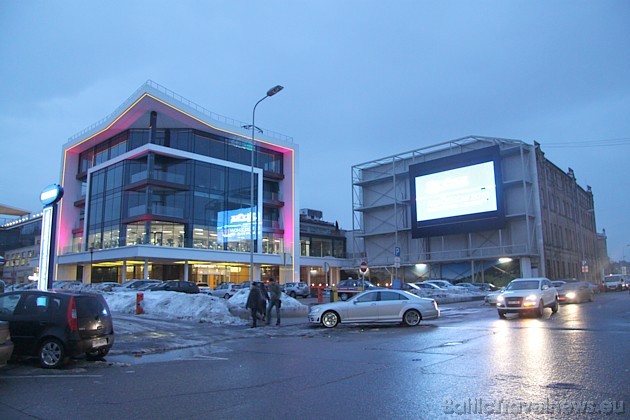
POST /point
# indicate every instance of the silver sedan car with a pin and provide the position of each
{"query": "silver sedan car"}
(376, 306)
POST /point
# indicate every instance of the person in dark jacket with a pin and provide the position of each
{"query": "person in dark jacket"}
(274, 300)
(265, 298)
(254, 301)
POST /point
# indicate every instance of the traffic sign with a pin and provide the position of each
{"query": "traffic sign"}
(397, 251)
(364, 266)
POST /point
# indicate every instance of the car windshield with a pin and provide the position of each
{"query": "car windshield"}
(523, 285)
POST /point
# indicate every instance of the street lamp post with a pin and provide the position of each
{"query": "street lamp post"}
(270, 92)
(91, 259)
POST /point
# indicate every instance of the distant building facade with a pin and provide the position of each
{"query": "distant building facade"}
(322, 248)
(19, 245)
(543, 223)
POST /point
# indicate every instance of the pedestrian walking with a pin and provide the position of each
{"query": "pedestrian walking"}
(254, 302)
(265, 298)
(274, 300)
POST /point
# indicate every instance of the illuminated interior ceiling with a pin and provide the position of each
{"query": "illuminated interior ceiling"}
(209, 264)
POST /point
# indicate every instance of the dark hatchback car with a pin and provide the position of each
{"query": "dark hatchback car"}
(54, 326)
(176, 286)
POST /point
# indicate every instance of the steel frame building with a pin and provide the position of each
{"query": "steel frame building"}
(540, 236)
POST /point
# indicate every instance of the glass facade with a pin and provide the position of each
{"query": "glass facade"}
(172, 201)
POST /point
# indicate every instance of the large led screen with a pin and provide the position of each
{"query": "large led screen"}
(234, 225)
(457, 194)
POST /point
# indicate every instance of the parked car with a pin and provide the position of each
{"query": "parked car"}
(295, 289)
(347, 288)
(528, 295)
(420, 289)
(175, 286)
(471, 287)
(107, 286)
(376, 306)
(6, 345)
(70, 285)
(427, 286)
(204, 288)
(487, 287)
(139, 284)
(224, 290)
(575, 292)
(54, 326)
(445, 284)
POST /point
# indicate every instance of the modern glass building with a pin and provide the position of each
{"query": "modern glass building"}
(161, 188)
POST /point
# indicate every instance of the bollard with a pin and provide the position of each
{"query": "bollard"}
(333, 293)
(320, 294)
(139, 299)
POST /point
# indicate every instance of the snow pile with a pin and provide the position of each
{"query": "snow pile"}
(201, 307)
(290, 307)
(174, 305)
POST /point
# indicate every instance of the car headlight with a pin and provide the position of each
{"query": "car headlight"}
(570, 295)
(316, 309)
(500, 298)
(531, 298)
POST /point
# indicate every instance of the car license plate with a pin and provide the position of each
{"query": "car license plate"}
(513, 301)
(99, 342)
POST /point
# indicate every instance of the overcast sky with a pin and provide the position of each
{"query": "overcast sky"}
(363, 80)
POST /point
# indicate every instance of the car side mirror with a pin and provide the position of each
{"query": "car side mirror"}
(354, 302)
(545, 287)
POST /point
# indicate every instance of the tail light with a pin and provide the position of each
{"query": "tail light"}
(72, 315)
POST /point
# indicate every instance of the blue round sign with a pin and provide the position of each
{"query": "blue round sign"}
(51, 194)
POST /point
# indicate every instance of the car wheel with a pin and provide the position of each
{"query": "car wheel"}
(51, 353)
(226, 296)
(501, 314)
(554, 307)
(292, 294)
(96, 354)
(343, 296)
(330, 319)
(412, 318)
(541, 309)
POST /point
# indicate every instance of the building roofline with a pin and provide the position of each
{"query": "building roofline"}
(179, 102)
(12, 211)
(458, 142)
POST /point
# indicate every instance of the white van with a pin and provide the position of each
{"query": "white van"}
(615, 282)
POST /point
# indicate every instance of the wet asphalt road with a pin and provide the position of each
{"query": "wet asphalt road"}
(463, 365)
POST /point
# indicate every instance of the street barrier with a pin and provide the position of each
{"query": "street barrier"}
(139, 299)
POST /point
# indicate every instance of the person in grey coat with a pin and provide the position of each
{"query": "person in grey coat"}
(274, 300)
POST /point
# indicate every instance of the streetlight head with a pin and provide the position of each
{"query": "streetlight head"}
(274, 90)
